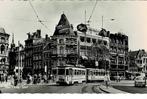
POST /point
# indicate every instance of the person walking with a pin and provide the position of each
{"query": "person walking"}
(35, 79)
(45, 78)
(15, 80)
(107, 81)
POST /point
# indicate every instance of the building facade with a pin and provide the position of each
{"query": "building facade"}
(4, 44)
(69, 47)
(118, 54)
(64, 44)
(90, 42)
(33, 53)
(20, 56)
(138, 61)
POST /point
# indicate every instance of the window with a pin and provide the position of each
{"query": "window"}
(67, 72)
(99, 41)
(2, 49)
(105, 42)
(88, 40)
(61, 41)
(2, 39)
(82, 39)
(61, 50)
(94, 40)
(54, 71)
(61, 71)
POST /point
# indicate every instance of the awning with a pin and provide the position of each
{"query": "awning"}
(84, 57)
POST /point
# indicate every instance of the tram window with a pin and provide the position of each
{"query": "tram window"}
(61, 71)
(67, 72)
(95, 72)
(78, 72)
(54, 71)
(75, 72)
(83, 72)
(98, 73)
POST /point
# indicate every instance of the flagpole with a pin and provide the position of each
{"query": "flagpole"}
(102, 21)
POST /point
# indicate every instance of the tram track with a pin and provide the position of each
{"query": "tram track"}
(92, 89)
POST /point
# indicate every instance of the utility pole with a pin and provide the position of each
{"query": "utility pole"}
(102, 22)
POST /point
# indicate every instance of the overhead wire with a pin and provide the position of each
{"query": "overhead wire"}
(39, 20)
(92, 11)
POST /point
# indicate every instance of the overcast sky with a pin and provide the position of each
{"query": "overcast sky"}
(130, 17)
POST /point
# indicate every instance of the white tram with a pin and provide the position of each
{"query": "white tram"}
(96, 74)
(69, 74)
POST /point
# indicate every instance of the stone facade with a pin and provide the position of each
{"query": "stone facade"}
(118, 54)
(4, 44)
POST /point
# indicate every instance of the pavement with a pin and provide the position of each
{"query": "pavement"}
(112, 90)
(100, 87)
(9, 84)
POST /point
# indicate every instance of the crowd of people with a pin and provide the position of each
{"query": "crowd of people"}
(30, 79)
(3, 77)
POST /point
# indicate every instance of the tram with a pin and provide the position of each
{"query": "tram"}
(71, 75)
(94, 75)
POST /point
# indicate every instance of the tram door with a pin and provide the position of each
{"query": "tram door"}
(70, 75)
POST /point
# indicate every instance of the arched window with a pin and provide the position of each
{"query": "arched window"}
(61, 41)
(61, 50)
(2, 49)
(2, 39)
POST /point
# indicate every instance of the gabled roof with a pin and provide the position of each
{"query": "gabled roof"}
(133, 53)
(63, 21)
(137, 53)
(64, 27)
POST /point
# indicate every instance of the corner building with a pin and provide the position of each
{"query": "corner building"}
(71, 47)
(64, 44)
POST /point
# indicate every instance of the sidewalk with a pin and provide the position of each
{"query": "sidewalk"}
(111, 90)
(23, 84)
(114, 83)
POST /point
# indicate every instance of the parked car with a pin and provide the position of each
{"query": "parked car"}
(140, 81)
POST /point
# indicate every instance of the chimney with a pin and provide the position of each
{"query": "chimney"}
(38, 33)
(46, 36)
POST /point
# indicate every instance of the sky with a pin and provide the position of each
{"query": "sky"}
(18, 17)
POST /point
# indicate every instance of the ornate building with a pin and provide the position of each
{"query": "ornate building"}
(4, 44)
(34, 53)
(90, 42)
(138, 61)
(64, 44)
(118, 54)
(69, 47)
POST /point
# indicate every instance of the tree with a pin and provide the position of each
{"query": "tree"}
(101, 54)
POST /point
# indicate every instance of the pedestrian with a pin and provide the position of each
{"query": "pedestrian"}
(15, 80)
(35, 79)
(107, 80)
(29, 79)
(39, 78)
(45, 78)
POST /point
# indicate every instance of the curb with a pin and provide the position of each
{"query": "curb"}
(103, 90)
